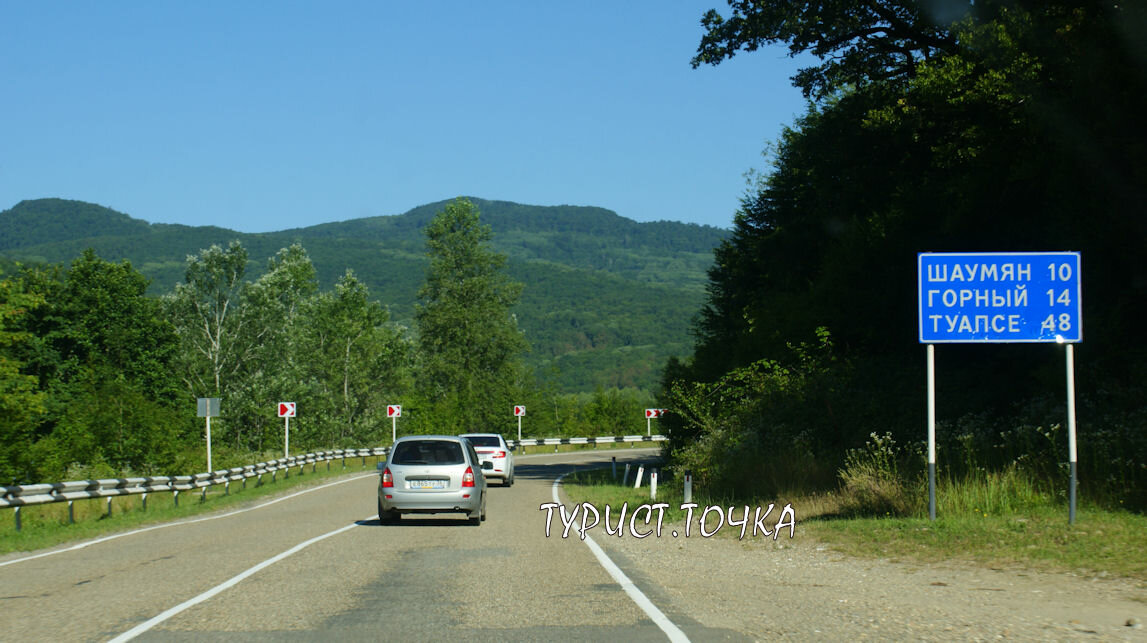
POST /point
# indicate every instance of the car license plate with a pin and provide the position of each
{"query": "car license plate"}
(427, 484)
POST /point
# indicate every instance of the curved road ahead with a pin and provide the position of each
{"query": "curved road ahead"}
(318, 566)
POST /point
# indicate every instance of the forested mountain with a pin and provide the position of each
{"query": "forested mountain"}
(606, 299)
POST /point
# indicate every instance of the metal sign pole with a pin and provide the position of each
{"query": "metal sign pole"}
(393, 429)
(519, 429)
(286, 436)
(932, 431)
(1071, 454)
(209, 443)
(648, 426)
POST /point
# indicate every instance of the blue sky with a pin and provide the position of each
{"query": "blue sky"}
(267, 116)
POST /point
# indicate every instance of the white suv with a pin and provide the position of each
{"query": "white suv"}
(495, 455)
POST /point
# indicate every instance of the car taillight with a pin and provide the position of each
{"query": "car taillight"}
(500, 454)
(387, 479)
(468, 478)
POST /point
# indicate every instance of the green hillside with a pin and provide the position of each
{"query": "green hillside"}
(606, 299)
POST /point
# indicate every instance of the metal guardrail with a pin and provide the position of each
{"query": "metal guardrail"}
(18, 496)
(39, 494)
(531, 442)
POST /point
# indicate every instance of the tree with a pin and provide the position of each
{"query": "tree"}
(468, 338)
(858, 42)
(356, 361)
(271, 313)
(206, 312)
(21, 403)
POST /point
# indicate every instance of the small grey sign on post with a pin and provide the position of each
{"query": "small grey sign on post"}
(208, 407)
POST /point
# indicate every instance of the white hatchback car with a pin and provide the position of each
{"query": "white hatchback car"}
(495, 455)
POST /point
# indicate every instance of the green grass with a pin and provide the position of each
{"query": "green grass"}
(47, 525)
(992, 521)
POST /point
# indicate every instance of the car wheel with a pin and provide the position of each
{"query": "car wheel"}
(386, 517)
(509, 482)
(475, 519)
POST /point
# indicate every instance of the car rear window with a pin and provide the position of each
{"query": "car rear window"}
(484, 440)
(428, 452)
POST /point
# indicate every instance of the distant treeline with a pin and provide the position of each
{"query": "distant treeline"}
(98, 378)
(607, 299)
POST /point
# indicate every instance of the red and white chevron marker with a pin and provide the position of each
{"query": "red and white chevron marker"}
(393, 411)
(519, 412)
(649, 415)
(286, 411)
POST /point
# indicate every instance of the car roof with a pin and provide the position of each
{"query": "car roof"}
(480, 435)
(448, 438)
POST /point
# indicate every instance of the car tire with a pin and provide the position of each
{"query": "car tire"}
(475, 519)
(508, 482)
(386, 517)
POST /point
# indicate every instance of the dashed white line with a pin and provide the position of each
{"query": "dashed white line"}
(160, 618)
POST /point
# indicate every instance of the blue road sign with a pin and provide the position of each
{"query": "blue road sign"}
(999, 297)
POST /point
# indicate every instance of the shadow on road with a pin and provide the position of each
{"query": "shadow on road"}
(418, 521)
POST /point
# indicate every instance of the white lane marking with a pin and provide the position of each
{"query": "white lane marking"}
(97, 541)
(672, 631)
(147, 625)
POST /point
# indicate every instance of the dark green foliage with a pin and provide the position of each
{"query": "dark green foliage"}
(99, 353)
(1010, 126)
(469, 343)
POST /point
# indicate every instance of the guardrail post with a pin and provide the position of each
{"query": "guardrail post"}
(653, 485)
(109, 514)
(688, 486)
(144, 499)
(203, 495)
(16, 512)
(625, 478)
(640, 474)
(227, 488)
(364, 462)
(71, 512)
(614, 464)
(175, 496)
(273, 474)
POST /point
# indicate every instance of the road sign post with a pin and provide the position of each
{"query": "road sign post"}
(393, 411)
(208, 407)
(286, 411)
(650, 414)
(994, 297)
(519, 412)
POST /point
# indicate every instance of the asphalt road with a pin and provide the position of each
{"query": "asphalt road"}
(319, 566)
